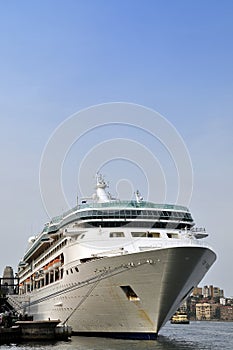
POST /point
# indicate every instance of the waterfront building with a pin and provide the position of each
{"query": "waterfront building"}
(212, 292)
(222, 301)
(226, 313)
(217, 292)
(229, 301)
(206, 292)
(206, 311)
(184, 307)
(197, 291)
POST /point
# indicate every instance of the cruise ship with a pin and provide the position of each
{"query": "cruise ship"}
(113, 268)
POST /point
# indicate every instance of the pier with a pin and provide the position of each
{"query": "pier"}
(15, 328)
(43, 330)
(10, 335)
(25, 331)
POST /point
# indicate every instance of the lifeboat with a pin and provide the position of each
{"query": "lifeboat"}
(45, 268)
(57, 263)
(50, 266)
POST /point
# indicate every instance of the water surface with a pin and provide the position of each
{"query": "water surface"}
(195, 336)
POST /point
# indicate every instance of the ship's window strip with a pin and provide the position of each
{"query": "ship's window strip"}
(125, 214)
(136, 224)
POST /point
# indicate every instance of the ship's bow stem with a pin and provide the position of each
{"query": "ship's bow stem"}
(183, 270)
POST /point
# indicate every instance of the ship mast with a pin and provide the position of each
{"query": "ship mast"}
(101, 194)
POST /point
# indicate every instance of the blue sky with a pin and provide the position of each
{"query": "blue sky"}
(58, 57)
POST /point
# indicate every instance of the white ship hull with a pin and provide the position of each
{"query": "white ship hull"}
(92, 301)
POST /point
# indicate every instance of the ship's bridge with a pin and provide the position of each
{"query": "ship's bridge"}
(119, 213)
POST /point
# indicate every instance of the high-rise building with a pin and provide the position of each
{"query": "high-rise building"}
(197, 291)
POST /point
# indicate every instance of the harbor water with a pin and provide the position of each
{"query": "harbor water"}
(195, 336)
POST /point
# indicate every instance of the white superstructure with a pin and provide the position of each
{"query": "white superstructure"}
(113, 268)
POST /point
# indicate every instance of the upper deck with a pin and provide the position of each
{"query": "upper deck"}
(103, 211)
(125, 210)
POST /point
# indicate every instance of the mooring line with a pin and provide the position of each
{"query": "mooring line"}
(82, 301)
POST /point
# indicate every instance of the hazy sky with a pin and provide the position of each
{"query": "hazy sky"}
(59, 57)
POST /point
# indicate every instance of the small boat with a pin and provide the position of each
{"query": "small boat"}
(180, 318)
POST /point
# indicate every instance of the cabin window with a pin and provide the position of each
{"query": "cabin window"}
(138, 234)
(153, 234)
(172, 235)
(116, 234)
(146, 234)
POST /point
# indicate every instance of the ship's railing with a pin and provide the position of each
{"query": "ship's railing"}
(135, 204)
(184, 242)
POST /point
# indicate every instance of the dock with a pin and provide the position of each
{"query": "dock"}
(10, 335)
(25, 331)
(16, 328)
